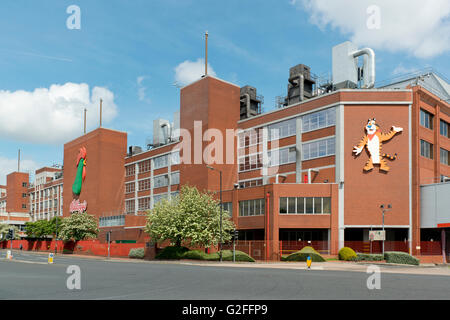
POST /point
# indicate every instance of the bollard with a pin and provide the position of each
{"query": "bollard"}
(9, 255)
(308, 262)
(50, 258)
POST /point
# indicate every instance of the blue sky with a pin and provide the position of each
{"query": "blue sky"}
(130, 49)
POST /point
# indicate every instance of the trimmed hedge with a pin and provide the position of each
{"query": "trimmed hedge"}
(347, 254)
(227, 255)
(200, 255)
(303, 254)
(400, 257)
(369, 257)
(137, 253)
(171, 253)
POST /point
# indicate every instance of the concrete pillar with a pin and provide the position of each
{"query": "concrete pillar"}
(443, 241)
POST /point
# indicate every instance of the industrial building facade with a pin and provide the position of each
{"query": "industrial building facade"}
(318, 168)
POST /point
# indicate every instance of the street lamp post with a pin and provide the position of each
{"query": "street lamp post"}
(383, 210)
(221, 205)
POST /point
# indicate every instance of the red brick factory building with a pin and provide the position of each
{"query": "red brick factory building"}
(295, 173)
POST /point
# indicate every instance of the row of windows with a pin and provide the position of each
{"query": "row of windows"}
(158, 162)
(251, 207)
(426, 120)
(144, 203)
(250, 138)
(282, 129)
(112, 221)
(305, 205)
(160, 181)
(316, 149)
(319, 120)
(250, 162)
(282, 156)
(287, 128)
(250, 183)
(46, 192)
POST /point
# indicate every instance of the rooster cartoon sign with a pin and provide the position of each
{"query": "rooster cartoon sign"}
(373, 142)
(76, 206)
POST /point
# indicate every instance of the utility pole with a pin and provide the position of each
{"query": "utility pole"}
(85, 110)
(221, 210)
(206, 53)
(101, 102)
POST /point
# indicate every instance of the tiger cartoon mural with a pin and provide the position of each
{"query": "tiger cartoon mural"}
(373, 142)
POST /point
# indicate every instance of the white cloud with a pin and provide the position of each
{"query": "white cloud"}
(400, 69)
(8, 166)
(142, 89)
(419, 27)
(190, 71)
(53, 115)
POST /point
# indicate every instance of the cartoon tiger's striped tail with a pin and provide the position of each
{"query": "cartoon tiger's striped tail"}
(385, 155)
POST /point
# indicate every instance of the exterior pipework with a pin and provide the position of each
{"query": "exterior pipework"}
(369, 64)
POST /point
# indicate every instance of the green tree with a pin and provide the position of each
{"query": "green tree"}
(43, 228)
(191, 216)
(78, 226)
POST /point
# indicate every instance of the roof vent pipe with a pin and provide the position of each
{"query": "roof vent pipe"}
(369, 66)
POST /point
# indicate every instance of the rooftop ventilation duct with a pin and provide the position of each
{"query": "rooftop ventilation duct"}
(346, 73)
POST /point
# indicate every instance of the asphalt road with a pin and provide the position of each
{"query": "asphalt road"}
(33, 278)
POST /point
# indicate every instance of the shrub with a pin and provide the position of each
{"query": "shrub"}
(227, 255)
(67, 251)
(200, 255)
(137, 253)
(369, 257)
(400, 257)
(347, 254)
(171, 253)
(303, 254)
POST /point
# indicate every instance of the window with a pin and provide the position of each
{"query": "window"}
(426, 149)
(444, 128)
(250, 137)
(161, 162)
(175, 178)
(130, 187)
(24, 195)
(250, 183)
(144, 166)
(444, 156)
(144, 204)
(227, 208)
(130, 206)
(24, 184)
(319, 120)
(24, 206)
(161, 181)
(130, 170)
(282, 156)
(250, 162)
(302, 205)
(317, 149)
(282, 129)
(112, 221)
(157, 198)
(175, 157)
(426, 119)
(251, 207)
(144, 185)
